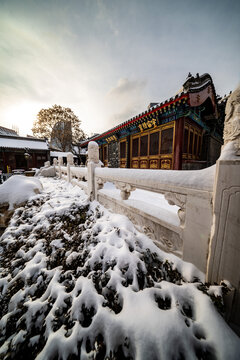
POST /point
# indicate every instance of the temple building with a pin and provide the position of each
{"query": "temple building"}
(183, 132)
(23, 153)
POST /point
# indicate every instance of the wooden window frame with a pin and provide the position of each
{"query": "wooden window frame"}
(159, 139)
(197, 136)
(157, 156)
(186, 128)
(123, 160)
(165, 127)
(121, 142)
(105, 160)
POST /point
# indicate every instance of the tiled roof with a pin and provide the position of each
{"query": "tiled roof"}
(56, 154)
(22, 143)
(7, 132)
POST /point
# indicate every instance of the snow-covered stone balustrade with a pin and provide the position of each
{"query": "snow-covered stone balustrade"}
(75, 175)
(186, 236)
(191, 191)
(79, 177)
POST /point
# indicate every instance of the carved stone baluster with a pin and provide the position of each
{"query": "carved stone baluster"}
(100, 183)
(60, 163)
(125, 189)
(179, 200)
(70, 159)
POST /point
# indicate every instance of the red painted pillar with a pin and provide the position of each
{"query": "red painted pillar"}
(6, 161)
(178, 144)
(34, 160)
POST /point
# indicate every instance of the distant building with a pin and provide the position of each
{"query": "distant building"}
(22, 152)
(183, 132)
(30, 152)
(7, 132)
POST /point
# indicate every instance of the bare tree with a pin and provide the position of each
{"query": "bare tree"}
(60, 126)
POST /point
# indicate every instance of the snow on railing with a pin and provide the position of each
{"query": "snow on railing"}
(79, 177)
(190, 190)
(79, 172)
(160, 180)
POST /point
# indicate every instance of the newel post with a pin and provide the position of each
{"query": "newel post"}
(93, 162)
(55, 163)
(69, 164)
(60, 163)
(224, 247)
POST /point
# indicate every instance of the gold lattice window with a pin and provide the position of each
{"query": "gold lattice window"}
(167, 141)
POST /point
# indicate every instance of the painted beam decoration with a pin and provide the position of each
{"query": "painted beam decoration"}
(111, 139)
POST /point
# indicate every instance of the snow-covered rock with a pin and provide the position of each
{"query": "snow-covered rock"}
(18, 189)
(47, 171)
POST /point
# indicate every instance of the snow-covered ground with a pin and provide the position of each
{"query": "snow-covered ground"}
(79, 282)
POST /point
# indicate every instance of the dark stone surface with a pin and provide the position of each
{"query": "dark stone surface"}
(211, 149)
(113, 155)
(194, 165)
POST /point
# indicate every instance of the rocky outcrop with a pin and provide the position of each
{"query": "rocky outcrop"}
(14, 193)
(47, 171)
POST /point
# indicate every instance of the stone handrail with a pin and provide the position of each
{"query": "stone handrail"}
(79, 172)
(160, 181)
(192, 193)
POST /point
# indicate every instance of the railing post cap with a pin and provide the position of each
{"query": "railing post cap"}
(93, 152)
(70, 158)
(60, 160)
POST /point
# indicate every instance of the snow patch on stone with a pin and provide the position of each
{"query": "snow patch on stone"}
(18, 189)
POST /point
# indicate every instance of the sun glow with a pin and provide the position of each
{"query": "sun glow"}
(22, 116)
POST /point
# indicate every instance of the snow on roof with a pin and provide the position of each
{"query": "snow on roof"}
(76, 149)
(200, 86)
(22, 143)
(60, 153)
(8, 132)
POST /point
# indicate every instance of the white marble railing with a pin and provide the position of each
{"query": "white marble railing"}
(79, 173)
(160, 180)
(191, 191)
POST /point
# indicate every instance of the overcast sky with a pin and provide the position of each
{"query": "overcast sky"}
(108, 59)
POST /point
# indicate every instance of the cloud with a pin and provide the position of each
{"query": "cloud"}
(127, 87)
(125, 100)
(72, 53)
